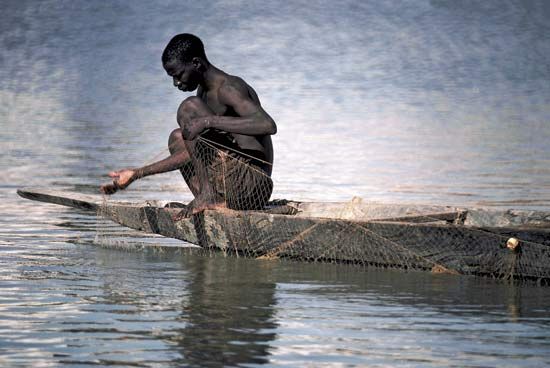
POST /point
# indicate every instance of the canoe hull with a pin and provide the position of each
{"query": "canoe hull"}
(436, 243)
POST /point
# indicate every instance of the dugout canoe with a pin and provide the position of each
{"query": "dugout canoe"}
(507, 244)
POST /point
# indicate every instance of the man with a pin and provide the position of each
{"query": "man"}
(223, 146)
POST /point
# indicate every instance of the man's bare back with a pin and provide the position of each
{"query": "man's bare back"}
(226, 112)
(257, 145)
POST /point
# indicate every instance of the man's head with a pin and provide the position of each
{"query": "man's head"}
(184, 60)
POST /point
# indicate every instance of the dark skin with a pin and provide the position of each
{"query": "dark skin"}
(224, 103)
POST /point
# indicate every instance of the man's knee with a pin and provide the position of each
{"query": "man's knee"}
(175, 141)
(190, 108)
(192, 103)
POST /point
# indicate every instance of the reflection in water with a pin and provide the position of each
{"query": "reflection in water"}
(223, 310)
(229, 313)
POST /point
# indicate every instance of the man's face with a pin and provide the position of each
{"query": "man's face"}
(185, 76)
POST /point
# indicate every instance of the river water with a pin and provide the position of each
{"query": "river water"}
(419, 101)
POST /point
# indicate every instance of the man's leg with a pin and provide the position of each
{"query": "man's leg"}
(176, 145)
(192, 108)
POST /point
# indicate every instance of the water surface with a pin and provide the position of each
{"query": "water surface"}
(410, 101)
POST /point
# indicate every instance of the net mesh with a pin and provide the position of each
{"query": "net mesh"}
(228, 178)
(500, 244)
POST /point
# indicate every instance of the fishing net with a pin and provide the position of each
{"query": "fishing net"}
(501, 244)
(227, 177)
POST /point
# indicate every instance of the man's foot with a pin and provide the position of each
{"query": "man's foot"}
(175, 205)
(197, 205)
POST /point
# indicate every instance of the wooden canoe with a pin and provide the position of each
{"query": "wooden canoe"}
(508, 244)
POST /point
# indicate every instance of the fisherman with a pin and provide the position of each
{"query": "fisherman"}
(223, 145)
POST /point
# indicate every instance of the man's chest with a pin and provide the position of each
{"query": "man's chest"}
(212, 101)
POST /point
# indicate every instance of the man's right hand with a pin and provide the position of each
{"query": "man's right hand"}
(121, 180)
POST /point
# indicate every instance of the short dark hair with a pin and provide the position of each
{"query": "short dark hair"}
(183, 47)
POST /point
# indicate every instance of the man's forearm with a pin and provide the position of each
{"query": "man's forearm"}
(171, 163)
(248, 125)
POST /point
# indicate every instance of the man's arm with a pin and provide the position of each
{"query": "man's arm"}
(170, 163)
(123, 178)
(252, 119)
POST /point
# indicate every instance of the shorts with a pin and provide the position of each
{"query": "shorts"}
(238, 181)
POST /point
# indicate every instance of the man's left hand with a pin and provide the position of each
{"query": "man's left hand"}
(121, 179)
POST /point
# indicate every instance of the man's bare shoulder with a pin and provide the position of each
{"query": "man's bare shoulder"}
(234, 85)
